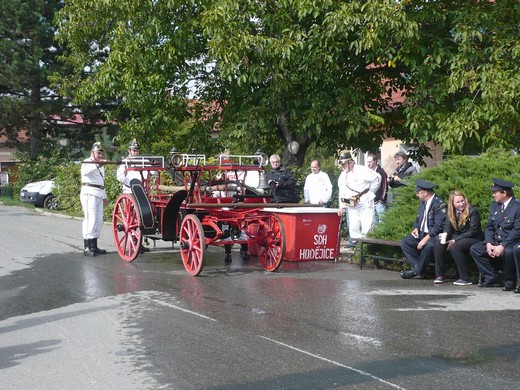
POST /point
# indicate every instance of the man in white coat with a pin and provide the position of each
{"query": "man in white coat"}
(357, 186)
(93, 198)
(124, 175)
(317, 188)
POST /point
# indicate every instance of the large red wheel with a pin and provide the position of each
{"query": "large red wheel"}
(192, 244)
(271, 243)
(126, 227)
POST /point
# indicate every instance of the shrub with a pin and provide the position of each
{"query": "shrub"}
(7, 191)
(472, 175)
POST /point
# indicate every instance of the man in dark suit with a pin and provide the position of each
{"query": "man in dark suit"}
(501, 234)
(418, 246)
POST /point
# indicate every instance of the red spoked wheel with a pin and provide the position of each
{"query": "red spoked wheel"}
(192, 244)
(271, 243)
(126, 227)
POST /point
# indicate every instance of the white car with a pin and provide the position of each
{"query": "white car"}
(40, 194)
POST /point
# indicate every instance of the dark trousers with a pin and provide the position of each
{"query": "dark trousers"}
(459, 251)
(516, 256)
(488, 266)
(419, 259)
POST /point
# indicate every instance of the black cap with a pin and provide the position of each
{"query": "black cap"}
(344, 158)
(501, 185)
(97, 147)
(134, 145)
(423, 185)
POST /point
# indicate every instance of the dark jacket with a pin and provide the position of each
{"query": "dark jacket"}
(503, 228)
(471, 229)
(381, 193)
(436, 216)
(285, 192)
(406, 170)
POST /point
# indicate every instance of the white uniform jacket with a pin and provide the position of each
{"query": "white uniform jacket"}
(93, 179)
(357, 181)
(317, 188)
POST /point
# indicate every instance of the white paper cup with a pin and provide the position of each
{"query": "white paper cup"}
(442, 237)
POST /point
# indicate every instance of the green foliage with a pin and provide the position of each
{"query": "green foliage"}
(156, 50)
(68, 186)
(298, 69)
(44, 167)
(472, 175)
(29, 106)
(268, 73)
(464, 69)
(7, 191)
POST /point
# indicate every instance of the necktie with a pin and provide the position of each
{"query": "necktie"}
(424, 223)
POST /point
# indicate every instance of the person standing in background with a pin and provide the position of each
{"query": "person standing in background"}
(357, 186)
(381, 193)
(124, 175)
(282, 182)
(317, 188)
(404, 169)
(93, 198)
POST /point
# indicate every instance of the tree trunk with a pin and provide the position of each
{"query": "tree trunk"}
(35, 120)
(295, 146)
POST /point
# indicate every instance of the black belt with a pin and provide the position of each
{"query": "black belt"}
(94, 185)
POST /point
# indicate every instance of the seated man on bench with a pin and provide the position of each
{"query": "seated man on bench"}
(431, 216)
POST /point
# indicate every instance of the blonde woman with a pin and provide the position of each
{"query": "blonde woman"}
(463, 229)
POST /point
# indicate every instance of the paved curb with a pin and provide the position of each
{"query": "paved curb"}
(57, 215)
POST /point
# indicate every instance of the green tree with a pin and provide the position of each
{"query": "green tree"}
(278, 73)
(307, 71)
(149, 56)
(464, 74)
(28, 106)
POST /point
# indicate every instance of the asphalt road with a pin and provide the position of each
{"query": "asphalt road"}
(67, 321)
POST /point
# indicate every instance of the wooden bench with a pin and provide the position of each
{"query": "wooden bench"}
(376, 241)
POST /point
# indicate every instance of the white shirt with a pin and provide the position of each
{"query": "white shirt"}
(125, 176)
(424, 226)
(93, 174)
(249, 178)
(359, 179)
(317, 188)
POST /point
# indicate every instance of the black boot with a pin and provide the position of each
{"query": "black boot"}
(94, 248)
(244, 251)
(227, 248)
(87, 251)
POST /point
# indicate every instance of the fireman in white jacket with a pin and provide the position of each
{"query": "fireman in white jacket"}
(124, 175)
(357, 186)
(93, 198)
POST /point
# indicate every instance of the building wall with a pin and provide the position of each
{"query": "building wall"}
(391, 146)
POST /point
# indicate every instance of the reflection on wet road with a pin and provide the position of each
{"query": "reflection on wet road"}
(313, 325)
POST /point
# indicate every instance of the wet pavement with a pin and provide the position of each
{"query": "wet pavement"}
(67, 321)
